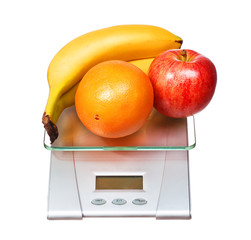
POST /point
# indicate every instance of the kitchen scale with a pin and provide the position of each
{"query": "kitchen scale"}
(145, 174)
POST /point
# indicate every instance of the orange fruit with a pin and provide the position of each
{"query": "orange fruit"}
(114, 99)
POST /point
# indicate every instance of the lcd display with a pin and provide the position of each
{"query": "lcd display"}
(119, 182)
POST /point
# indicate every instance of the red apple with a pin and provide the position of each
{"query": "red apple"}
(184, 82)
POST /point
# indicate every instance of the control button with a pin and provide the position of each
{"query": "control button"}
(119, 201)
(139, 201)
(98, 201)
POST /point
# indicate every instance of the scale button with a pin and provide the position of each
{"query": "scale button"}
(139, 201)
(119, 201)
(98, 201)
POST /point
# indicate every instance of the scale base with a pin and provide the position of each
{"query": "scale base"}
(166, 192)
(79, 159)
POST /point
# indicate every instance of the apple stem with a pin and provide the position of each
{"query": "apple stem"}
(183, 53)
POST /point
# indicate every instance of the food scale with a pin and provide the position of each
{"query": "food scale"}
(145, 174)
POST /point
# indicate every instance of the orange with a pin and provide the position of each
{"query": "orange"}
(114, 99)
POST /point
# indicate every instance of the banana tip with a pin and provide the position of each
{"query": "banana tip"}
(180, 41)
(50, 127)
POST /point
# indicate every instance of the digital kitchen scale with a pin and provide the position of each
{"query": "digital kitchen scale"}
(145, 174)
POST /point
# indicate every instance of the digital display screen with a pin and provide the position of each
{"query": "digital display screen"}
(119, 182)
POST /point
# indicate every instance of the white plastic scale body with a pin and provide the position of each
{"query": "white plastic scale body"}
(142, 175)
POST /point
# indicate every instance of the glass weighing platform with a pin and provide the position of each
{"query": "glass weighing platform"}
(145, 174)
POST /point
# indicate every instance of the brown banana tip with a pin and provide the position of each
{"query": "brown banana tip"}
(179, 41)
(50, 127)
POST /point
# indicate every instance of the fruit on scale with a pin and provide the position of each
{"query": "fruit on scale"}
(72, 62)
(114, 99)
(184, 82)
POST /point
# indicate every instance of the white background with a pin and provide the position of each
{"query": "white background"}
(31, 34)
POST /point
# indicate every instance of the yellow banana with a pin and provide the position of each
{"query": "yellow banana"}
(68, 98)
(65, 101)
(124, 42)
(143, 64)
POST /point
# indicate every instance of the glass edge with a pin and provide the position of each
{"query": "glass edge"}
(148, 148)
(194, 131)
